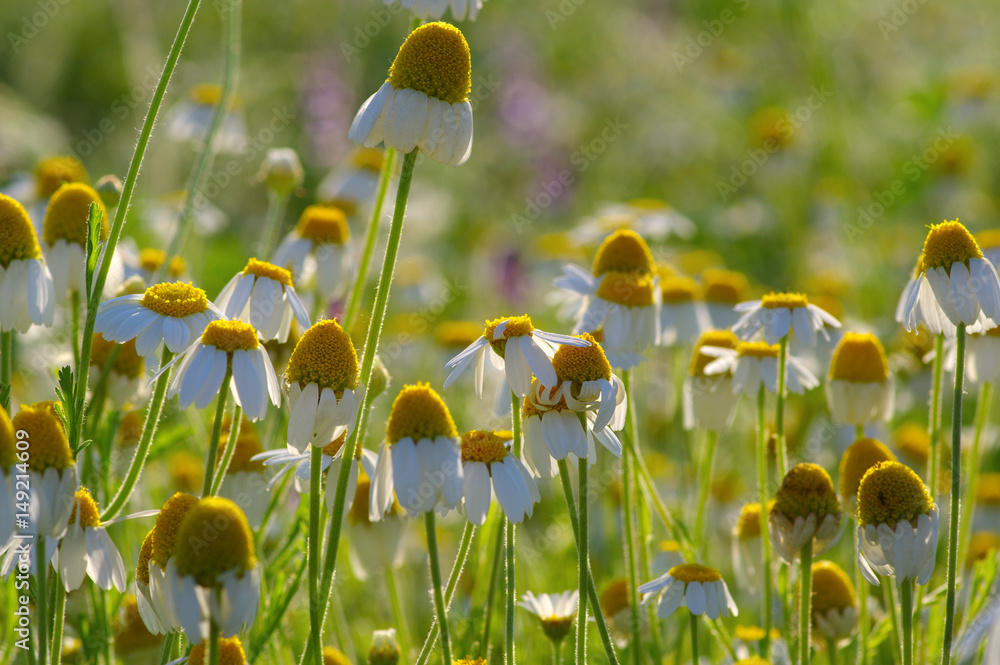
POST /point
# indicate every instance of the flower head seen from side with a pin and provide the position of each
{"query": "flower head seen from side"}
(384, 649)
(834, 605)
(154, 555)
(124, 380)
(351, 186)
(263, 296)
(377, 542)
(51, 173)
(806, 509)
(489, 467)
(281, 171)
(317, 251)
(27, 294)
(172, 313)
(244, 481)
(191, 118)
(8, 458)
(435, 9)
(699, 588)
(755, 364)
(860, 456)
(747, 554)
(860, 389)
(586, 383)
(897, 525)
(778, 314)
(226, 346)
(683, 315)
(425, 101)
(421, 457)
(556, 612)
(708, 399)
(64, 234)
(519, 349)
(954, 284)
(723, 291)
(650, 218)
(87, 549)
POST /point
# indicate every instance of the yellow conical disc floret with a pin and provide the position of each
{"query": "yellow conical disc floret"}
(324, 225)
(247, 445)
(324, 355)
(913, 440)
(333, 656)
(168, 524)
(517, 326)
(725, 287)
(145, 556)
(859, 357)
(484, 446)
(721, 338)
(128, 362)
(679, 289)
(891, 492)
(948, 243)
(230, 336)
(748, 524)
(68, 213)
(230, 652)
(8, 445)
(17, 235)
(265, 269)
(419, 413)
(85, 510)
(51, 173)
(229, 545)
(615, 597)
(623, 251)
(694, 572)
(806, 489)
(757, 350)
(175, 299)
(434, 60)
(581, 363)
(632, 289)
(49, 445)
(784, 300)
(860, 456)
(831, 588)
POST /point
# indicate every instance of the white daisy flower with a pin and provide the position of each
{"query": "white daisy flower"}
(834, 605)
(860, 456)
(33, 189)
(64, 234)
(191, 118)
(225, 347)
(755, 364)
(897, 525)
(352, 185)
(953, 284)
(552, 431)
(556, 612)
(860, 389)
(982, 357)
(27, 294)
(694, 586)
(150, 573)
(650, 218)
(708, 399)
(489, 468)
(281, 171)
(748, 557)
(683, 315)
(316, 251)
(124, 379)
(806, 509)
(173, 313)
(435, 9)
(425, 101)
(723, 291)
(373, 545)
(520, 350)
(778, 314)
(87, 549)
(420, 460)
(263, 296)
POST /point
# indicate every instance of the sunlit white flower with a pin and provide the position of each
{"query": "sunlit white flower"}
(553, 432)
(806, 510)
(87, 549)
(64, 234)
(650, 218)
(694, 586)
(435, 9)
(683, 315)
(352, 185)
(150, 571)
(263, 296)
(778, 314)
(723, 291)
(316, 251)
(191, 118)
(860, 389)
(708, 399)
(748, 556)
(488, 468)
(556, 612)
(834, 606)
(755, 364)
(27, 294)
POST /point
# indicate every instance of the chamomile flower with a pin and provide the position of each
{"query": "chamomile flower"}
(650, 218)
(421, 457)
(747, 554)
(953, 284)
(520, 350)
(230, 653)
(281, 171)
(615, 605)
(190, 119)
(376, 542)
(154, 554)
(334, 656)
(897, 525)
(173, 313)
(723, 291)
(778, 314)
(147, 263)
(64, 234)
(27, 294)
(586, 384)
(87, 549)
(708, 399)
(316, 251)
(351, 186)
(755, 364)
(384, 649)
(34, 189)
(982, 357)
(263, 296)
(556, 612)
(834, 606)
(425, 101)
(213, 580)
(806, 510)
(435, 9)
(683, 316)
(694, 586)
(860, 456)
(124, 378)
(488, 468)
(860, 389)
(226, 346)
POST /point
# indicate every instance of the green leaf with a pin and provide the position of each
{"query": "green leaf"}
(65, 389)
(93, 244)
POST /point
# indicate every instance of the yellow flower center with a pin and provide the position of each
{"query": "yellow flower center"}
(434, 60)
(891, 492)
(52, 172)
(679, 289)
(324, 355)
(128, 363)
(8, 447)
(359, 508)
(131, 634)
(457, 334)
(860, 456)
(615, 597)
(859, 357)
(214, 538)
(230, 652)
(419, 413)
(265, 269)
(913, 440)
(806, 489)
(988, 489)
(757, 350)
(17, 235)
(725, 287)
(324, 225)
(720, 338)
(368, 159)
(334, 446)
(989, 239)
(517, 326)
(694, 572)
(784, 300)
(623, 251)
(581, 363)
(49, 445)
(175, 299)
(210, 94)
(145, 556)
(982, 544)
(831, 588)
(168, 523)
(85, 509)
(632, 289)
(948, 243)
(669, 546)
(333, 656)
(230, 336)
(68, 213)
(151, 259)
(247, 445)
(130, 428)
(749, 633)
(748, 524)
(484, 446)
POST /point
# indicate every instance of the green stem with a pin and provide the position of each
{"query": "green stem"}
(227, 453)
(41, 597)
(440, 608)
(315, 611)
(582, 547)
(765, 540)
(694, 637)
(58, 618)
(630, 546)
(934, 419)
(859, 431)
(780, 451)
(831, 651)
(511, 585)
(805, 602)
(556, 648)
(213, 645)
(449, 591)
(166, 647)
(95, 409)
(145, 441)
(906, 609)
(484, 644)
(956, 492)
(371, 235)
(213, 443)
(6, 365)
(862, 585)
(276, 204)
(704, 482)
(398, 618)
(74, 330)
(890, 602)
(969, 500)
(128, 188)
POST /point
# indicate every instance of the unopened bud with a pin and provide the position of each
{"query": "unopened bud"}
(384, 649)
(109, 188)
(281, 170)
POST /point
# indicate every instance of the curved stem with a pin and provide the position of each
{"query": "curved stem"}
(694, 638)
(906, 609)
(449, 592)
(805, 602)
(780, 449)
(74, 328)
(213, 443)
(765, 540)
(145, 441)
(227, 453)
(276, 204)
(440, 608)
(956, 492)
(315, 611)
(704, 482)
(484, 644)
(582, 546)
(128, 189)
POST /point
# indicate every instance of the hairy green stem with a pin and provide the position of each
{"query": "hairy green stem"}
(449, 591)
(484, 644)
(227, 453)
(398, 618)
(41, 598)
(74, 330)
(582, 547)
(956, 494)
(58, 617)
(315, 611)
(440, 609)
(628, 510)
(805, 602)
(969, 500)
(694, 637)
(213, 644)
(511, 586)
(213, 442)
(765, 540)
(906, 613)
